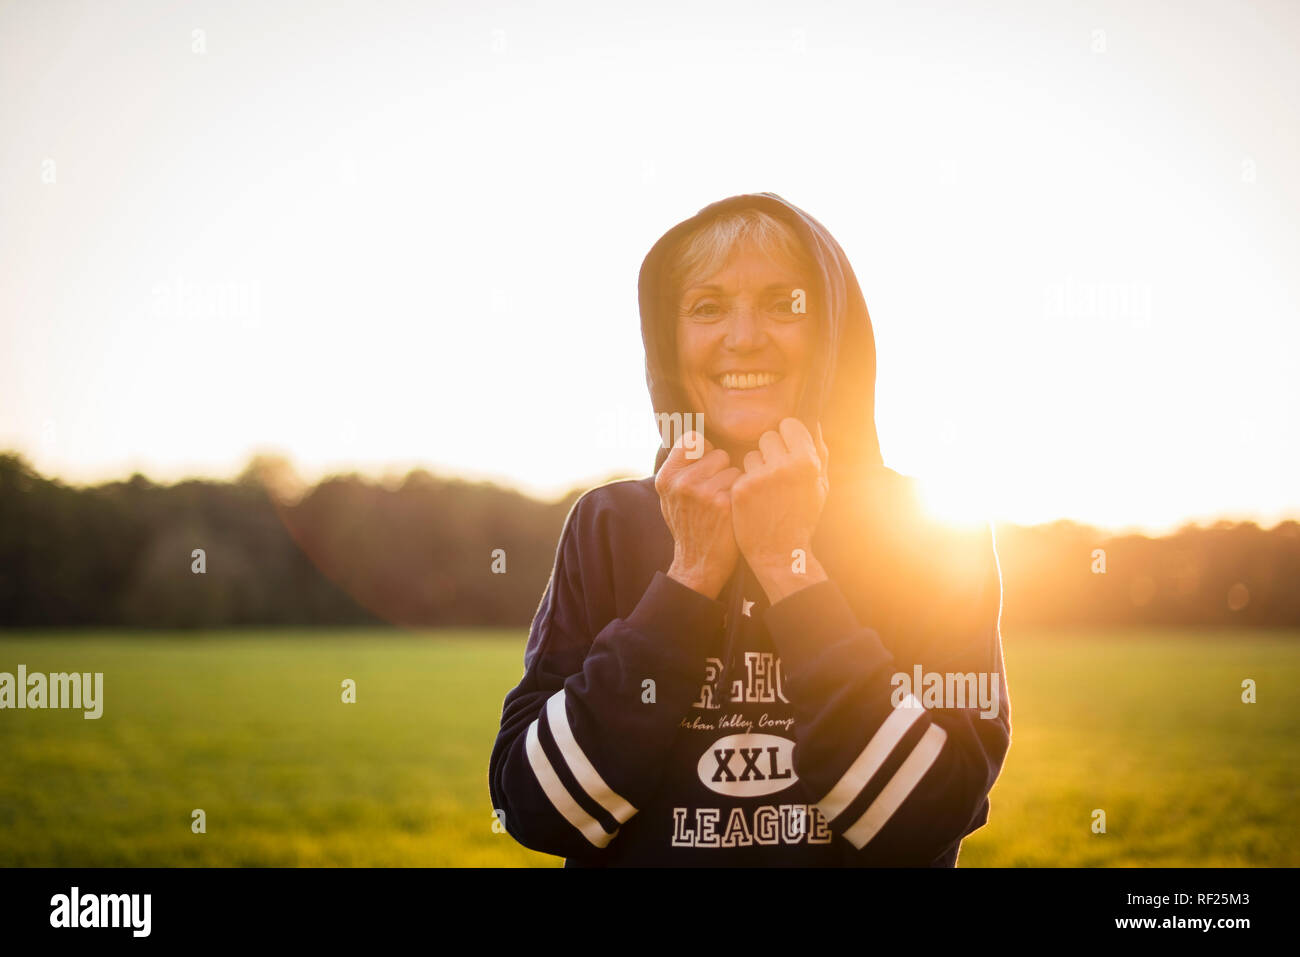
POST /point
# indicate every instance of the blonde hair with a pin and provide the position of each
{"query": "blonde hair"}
(703, 252)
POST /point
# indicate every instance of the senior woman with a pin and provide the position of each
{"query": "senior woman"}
(763, 654)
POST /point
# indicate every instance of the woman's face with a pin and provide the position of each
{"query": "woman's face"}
(743, 352)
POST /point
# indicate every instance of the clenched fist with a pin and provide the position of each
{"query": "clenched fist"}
(776, 505)
(695, 498)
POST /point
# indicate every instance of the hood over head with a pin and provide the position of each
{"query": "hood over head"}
(842, 382)
(841, 388)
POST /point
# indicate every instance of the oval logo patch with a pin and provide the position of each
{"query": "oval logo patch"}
(748, 765)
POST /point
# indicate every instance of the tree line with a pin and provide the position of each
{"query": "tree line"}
(430, 551)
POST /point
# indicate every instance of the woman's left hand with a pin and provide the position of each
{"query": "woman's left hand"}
(776, 504)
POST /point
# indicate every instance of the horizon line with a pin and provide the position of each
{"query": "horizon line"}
(398, 471)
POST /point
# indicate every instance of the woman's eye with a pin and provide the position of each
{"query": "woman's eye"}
(705, 309)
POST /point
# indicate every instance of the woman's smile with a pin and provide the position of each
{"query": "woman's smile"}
(743, 349)
(747, 381)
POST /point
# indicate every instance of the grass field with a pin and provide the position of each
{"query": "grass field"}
(1148, 726)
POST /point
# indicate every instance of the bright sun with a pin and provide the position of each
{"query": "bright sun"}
(960, 500)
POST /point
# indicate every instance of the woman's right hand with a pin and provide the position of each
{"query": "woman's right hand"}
(695, 498)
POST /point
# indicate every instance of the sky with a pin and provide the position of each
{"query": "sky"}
(376, 236)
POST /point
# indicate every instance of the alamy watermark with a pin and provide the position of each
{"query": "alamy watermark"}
(933, 689)
(1127, 302)
(56, 690)
(230, 302)
(76, 909)
(617, 427)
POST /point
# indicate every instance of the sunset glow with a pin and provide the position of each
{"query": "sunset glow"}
(1078, 253)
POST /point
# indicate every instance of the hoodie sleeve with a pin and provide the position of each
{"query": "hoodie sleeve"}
(901, 784)
(582, 738)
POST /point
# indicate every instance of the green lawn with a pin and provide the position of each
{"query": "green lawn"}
(1147, 726)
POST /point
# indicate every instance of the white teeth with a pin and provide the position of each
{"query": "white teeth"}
(747, 380)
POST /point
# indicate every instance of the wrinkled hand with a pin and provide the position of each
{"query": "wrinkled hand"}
(694, 496)
(777, 503)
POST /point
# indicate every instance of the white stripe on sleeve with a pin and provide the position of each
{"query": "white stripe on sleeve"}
(899, 787)
(559, 795)
(557, 717)
(862, 770)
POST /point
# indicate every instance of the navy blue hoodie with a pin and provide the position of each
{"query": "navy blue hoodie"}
(842, 726)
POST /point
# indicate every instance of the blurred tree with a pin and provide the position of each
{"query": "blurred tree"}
(418, 551)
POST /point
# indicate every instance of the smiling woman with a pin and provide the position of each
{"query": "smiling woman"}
(744, 339)
(778, 579)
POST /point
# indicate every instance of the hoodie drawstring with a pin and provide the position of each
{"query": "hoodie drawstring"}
(735, 597)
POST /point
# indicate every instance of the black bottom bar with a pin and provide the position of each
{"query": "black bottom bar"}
(668, 908)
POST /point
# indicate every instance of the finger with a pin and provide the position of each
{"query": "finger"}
(797, 438)
(753, 461)
(680, 456)
(707, 467)
(696, 445)
(772, 446)
(721, 482)
(672, 465)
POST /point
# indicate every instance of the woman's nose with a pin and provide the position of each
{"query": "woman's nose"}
(744, 329)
